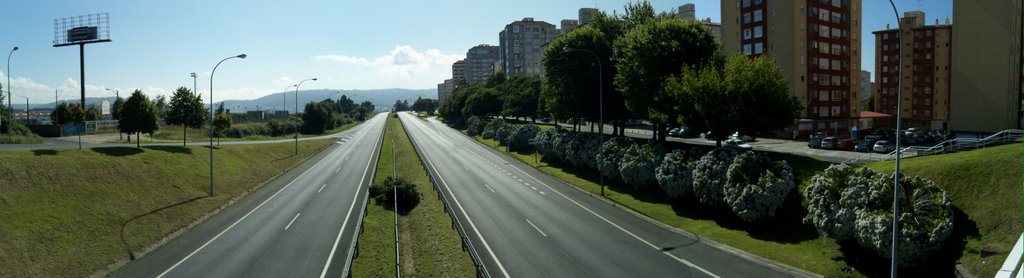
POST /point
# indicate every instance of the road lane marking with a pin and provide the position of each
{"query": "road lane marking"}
(542, 193)
(464, 214)
(293, 221)
(238, 221)
(339, 170)
(489, 187)
(334, 248)
(535, 228)
(321, 188)
(678, 259)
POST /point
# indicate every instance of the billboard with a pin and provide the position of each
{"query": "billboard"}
(91, 28)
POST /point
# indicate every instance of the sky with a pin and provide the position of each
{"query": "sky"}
(346, 44)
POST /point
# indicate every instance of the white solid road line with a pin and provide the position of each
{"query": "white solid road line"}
(293, 221)
(681, 260)
(359, 187)
(470, 220)
(489, 187)
(535, 228)
(239, 220)
(321, 188)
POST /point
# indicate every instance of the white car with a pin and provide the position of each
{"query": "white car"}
(884, 146)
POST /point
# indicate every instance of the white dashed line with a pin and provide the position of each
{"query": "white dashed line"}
(535, 228)
(489, 187)
(293, 221)
(321, 188)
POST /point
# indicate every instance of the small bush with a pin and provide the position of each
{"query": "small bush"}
(475, 126)
(675, 174)
(505, 133)
(521, 136)
(638, 164)
(384, 194)
(709, 175)
(490, 130)
(609, 157)
(755, 186)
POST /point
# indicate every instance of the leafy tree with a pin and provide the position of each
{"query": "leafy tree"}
(652, 51)
(452, 106)
(314, 119)
(749, 96)
(482, 102)
(161, 106)
(138, 116)
(59, 115)
(869, 105)
(401, 105)
(75, 113)
(424, 105)
(221, 122)
(116, 108)
(186, 109)
(521, 96)
(92, 113)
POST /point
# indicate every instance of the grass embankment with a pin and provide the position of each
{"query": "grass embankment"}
(170, 134)
(21, 139)
(62, 211)
(429, 246)
(786, 239)
(986, 189)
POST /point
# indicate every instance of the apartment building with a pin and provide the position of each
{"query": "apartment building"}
(459, 72)
(689, 12)
(444, 89)
(815, 43)
(585, 14)
(480, 61)
(522, 46)
(865, 87)
(986, 66)
(925, 71)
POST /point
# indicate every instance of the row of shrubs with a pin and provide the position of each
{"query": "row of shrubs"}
(856, 204)
(751, 184)
(515, 136)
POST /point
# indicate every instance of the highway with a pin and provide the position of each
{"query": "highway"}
(300, 225)
(524, 223)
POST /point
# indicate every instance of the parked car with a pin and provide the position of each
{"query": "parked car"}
(865, 146)
(845, 144)
(743, 137)
(814, 142)
(674, 132)
(686, 132)
(884, 146)
(736, 144)
(829, 143)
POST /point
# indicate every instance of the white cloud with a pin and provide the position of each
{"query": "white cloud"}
(284, 81)
(360, 61)
(403, 62)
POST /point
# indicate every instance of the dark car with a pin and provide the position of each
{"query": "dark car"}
(674, 132)
(865, 146)
(845, 144)
(686, 132)
(814, 142)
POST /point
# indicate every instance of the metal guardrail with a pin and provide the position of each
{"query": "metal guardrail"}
(956, 144)
(1012, 266)
(467, 245)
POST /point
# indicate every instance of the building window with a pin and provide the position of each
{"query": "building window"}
(746, 18)
(927, 56)
(835, 111)
(928, 45)
(802, 62)
(747, 49)
(854, 22)
(758, 32)
(885, 36)
(746, 34)
(758, 48)
(746, 3)
(928, 33)
(758, 15)
(801, 9)
(885, 47)
(773, 12)
(823, 15)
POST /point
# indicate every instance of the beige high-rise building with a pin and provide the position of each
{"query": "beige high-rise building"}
(522, 45)
(986, 66)
(925, 71)
(817, 46)
(689, 12)
(459, 72)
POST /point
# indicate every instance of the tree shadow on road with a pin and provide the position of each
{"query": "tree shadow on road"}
(124, 242)
(117, 151)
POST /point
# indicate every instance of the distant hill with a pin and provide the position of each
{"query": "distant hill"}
(379, 97)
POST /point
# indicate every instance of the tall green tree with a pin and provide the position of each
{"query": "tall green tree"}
(748, 95)
(653, 50)
(521, 97)
(138, 116)
(314, 119)
(59, 115)
(92, 113)
(186, 109)
(161, 106)
(221, 122)
(115, 112)
(482, 102)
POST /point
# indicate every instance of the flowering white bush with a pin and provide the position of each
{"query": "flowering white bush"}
(848, 204)
(491, 129)
(474, 126)
(709, 175)
(638, 164)
(521, 136)
(543, 141)
(610, 155)
(675, 174)
(755, 186)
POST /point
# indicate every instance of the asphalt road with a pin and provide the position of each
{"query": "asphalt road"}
(524, 223)
(300, 225)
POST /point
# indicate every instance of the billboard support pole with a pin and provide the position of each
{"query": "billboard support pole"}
(81, 62)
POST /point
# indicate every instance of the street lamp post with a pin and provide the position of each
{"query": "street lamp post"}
(899, 109)
(117, 96)
(600, 98)
(284, 97)
(240, 56)
(10, 125)
(297, 112)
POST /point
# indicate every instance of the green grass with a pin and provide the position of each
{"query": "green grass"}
(62, 211)
(985, 185)
(174, 134)
(21, 139)
(430, 247)
(986, 189)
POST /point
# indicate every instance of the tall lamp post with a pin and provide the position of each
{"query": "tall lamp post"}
(600, 98)
(10, 135)
(284, 97)
(899, 120)
(297, 112)
(240, 56)
(117, 96)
